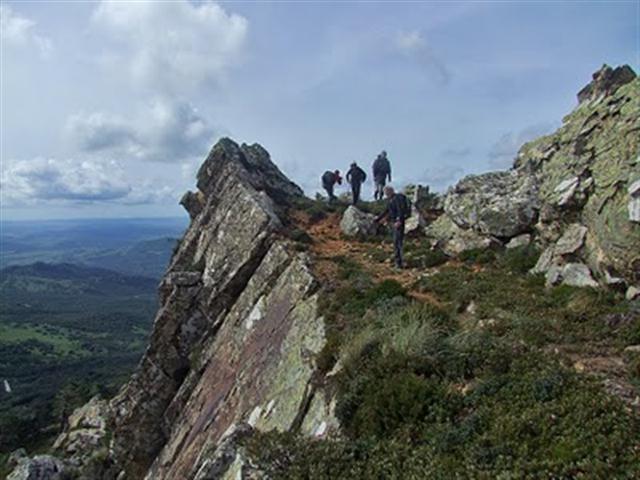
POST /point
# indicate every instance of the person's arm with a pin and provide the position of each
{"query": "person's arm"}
(384, 214)
(348, 177)
(389, 174)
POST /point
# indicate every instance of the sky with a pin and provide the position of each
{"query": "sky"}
(109, 107)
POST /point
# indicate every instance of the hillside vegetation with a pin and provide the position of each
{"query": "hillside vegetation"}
(472, 369)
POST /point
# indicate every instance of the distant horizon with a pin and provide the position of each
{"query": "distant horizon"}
(93, 219)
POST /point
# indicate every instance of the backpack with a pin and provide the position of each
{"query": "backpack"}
(381, 166)
(328, 178)
(405, 205)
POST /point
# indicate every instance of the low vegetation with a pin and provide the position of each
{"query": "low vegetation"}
(465, 387)
(67, 332)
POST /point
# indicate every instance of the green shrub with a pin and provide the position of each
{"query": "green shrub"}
(299, 235)
(481, 256)
(519, 259)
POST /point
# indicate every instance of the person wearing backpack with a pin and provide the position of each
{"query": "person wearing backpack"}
(356, 177)
(329, 180)
(381, 171)
(397, 211)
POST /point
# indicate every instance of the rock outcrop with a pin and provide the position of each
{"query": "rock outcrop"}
(576, 191)
(356, 223)
(40, 467)
(234, 342)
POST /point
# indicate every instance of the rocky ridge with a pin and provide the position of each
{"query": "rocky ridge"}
(576, 191)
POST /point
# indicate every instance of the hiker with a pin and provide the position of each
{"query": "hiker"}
(356, 177)
(381, 171)
(329, 179)
(397, 211)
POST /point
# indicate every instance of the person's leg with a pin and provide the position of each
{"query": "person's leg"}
(329, 190)
(356, 193)
(401, 249)
(398, 241)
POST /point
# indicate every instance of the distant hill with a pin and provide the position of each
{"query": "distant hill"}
(65, 279)
(148, 258)
(129, 246)
(79, 327)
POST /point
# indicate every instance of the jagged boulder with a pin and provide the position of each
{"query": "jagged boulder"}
(86, 433)
(500, 204)
(453, 240)
(519, 241)
(605, 82)
(573, 274)
(40, 467)
(634, 201)
(236, 335)
(356, 223)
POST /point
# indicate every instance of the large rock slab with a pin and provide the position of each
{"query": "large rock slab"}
(40, 467)
(501, 204)
(453, 240)
(356, 223)
(605, 82)
(237, 332)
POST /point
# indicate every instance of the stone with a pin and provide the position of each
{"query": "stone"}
(40, 467)
(416, 222)
(577, 275)
(86, 428)
(566, 190)
(454, 240)
(193, 203)
(634, 201)
(553, 276)
(356, 223)
(16, 457)
(572, 240)
(499, 204)
(632, 293)
(632, 349)
(614, 281)
(545, 261)
(605, 82)
(519, 241)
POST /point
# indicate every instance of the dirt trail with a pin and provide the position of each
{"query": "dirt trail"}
(329, 247)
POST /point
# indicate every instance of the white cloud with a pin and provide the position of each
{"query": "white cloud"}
(503, 152)
(172, 46)
(41, 180)
(166, 130)
(18, 31)
(413, 44)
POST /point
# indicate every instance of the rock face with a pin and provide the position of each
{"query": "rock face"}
(356, 223)
(605, 82)
(40, 467)
(501, 204)
(237, 332)
(234, 342)
(577, 191)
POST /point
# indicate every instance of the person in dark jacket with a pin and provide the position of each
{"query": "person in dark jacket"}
(329, 180)
(381, 172)
(397, 212)
(356, 177)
